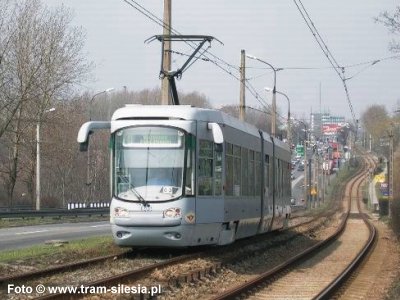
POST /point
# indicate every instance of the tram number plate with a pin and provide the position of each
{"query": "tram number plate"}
(167, 189)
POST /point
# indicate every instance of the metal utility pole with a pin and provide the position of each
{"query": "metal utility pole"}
(305, 175)
(171, 75)
(309, 197)
(242, 106)
(390, 171)
(306, 190)
(323, 182)
(273, 119)
(165, 89)
(289, 129)
(38, 190)
(370, 143)
(273, 106)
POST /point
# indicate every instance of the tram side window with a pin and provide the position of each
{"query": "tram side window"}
(272, 177)
(257, 161)
(236, 170)
(189, 181)
(233, 170)
(245, 172)
(279, 177)
(205, 177)
(287, 191)
(229, 169)
(266, 171)
(218, 171)
(251, 173)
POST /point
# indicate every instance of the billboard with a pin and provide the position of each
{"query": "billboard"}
(330, 129)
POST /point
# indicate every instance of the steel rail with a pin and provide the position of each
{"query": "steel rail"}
(131, 275)
(254, 283)
(60, 268)
(121, 278)
(338, 282)
(182, 278)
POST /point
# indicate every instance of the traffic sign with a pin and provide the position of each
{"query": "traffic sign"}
(380, 177)
(313, 191)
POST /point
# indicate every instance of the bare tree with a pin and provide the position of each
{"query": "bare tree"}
(376, 122)
(195, 99)
(43, 61)
(258, 117)
(392, 22)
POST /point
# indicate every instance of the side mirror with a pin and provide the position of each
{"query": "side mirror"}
(216, 132)
(83, 147)
(87, 129)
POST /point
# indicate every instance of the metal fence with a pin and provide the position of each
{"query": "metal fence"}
(76, 212)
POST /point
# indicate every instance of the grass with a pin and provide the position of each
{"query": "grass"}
(394, 291)
(47, 255)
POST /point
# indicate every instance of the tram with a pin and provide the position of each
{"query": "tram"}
(185, 176)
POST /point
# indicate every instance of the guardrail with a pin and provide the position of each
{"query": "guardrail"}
(55, 213)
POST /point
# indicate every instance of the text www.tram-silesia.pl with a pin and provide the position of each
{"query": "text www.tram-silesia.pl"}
(82, 289)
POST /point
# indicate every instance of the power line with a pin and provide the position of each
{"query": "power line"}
(367, 65)
(338, 69)
(227, 68)
(320, 37)
(160, 22)
(231, 69)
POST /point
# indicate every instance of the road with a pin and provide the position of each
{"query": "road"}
(20, 237)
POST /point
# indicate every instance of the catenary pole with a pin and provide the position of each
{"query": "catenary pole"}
(165, 88)
(242, 106)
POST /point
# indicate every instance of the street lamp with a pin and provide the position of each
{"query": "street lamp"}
(94, 96)
(273, 122)
(88, 181)
(289, 134)
(38, 159)
(306, 164)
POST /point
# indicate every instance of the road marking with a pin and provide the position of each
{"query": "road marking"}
(94, 226)
(30, 232)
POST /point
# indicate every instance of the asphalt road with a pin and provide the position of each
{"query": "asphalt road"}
(20, 237)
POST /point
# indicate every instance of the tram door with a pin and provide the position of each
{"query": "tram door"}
(209, 201)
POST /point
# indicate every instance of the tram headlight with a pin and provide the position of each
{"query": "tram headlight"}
(172, 213)
(120, 212)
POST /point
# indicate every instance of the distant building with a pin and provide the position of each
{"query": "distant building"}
(316, 125)
(324, 125)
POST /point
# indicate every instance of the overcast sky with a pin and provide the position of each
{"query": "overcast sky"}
(272, 30)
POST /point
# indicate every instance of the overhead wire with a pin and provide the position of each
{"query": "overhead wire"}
(227, 68)
(166, 26)
(230, 69)
(317, 40)
(320, 37)
(338, 69)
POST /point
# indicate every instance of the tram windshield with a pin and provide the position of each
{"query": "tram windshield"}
(149, 163)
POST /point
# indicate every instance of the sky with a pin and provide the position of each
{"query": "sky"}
(271, 30)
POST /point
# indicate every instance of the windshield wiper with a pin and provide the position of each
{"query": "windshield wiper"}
(137, 194)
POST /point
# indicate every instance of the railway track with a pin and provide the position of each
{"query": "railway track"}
(178, 271)
(317, 274)
(183, 269)
(60, 268)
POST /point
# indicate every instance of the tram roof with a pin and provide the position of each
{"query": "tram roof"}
(177, 112)
(182, 112)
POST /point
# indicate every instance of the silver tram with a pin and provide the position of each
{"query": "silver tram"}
(185, 176)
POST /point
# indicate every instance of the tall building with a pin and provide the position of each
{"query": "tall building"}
(316, 125)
